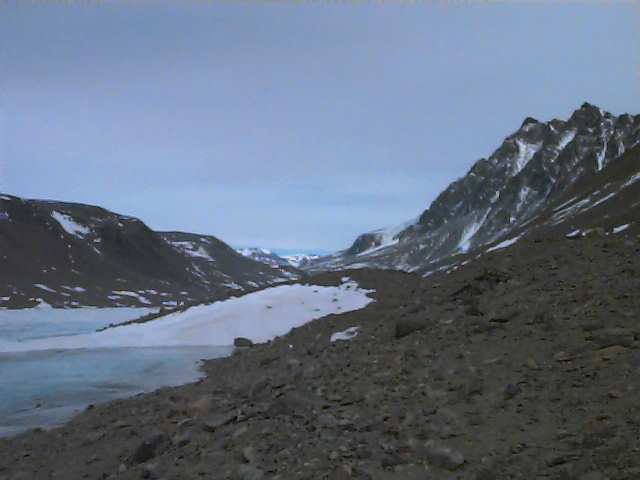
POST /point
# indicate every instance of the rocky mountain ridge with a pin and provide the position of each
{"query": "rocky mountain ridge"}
(534, 168)
(69, 255)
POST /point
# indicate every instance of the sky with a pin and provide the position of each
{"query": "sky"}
(290, 125)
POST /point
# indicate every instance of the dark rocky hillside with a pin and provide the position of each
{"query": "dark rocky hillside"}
(521, 364)
(69, 254)
(507, 193)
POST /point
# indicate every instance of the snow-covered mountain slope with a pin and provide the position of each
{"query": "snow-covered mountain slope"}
(271, 258)
(300, 260)
(505, 194)
(263, 255)
(68, 254)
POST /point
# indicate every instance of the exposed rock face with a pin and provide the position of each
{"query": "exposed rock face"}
(501, 196)
(69, 254)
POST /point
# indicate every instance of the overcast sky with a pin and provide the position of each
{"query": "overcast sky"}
(289, 126)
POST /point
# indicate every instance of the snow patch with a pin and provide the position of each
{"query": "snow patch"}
(631, 180)
(121, 293)
(566, 139)
(469, 232)
(75, 289)
(504, 244)
(69, 225)
(600, 158)
(388, 236)
(193, 250)
(526, 152)
(44, 287)
(347, 334)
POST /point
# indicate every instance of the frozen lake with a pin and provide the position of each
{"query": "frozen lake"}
(53, 363)
(44, 388)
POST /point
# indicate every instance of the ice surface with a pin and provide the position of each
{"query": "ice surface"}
(259, 316)
(70, 225)
(41, 322)
(53, 363)
(44, 389)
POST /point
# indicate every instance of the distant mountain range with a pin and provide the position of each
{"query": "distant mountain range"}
(559, 178)
(271, 258)
(547, 177)
(69, 254)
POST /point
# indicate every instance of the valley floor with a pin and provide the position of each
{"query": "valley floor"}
(521, 364)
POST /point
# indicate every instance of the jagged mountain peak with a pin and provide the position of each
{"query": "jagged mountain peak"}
(529, 121)
(532, 168)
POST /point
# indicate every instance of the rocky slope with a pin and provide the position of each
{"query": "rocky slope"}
(504, 194)
(68, 254)
(521, 364)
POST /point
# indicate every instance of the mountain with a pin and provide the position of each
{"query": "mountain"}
(69, 254)
(300, 260)
(507, 195)
(270, 258)
(263, 255)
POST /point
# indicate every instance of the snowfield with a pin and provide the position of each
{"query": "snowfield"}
(259, 316)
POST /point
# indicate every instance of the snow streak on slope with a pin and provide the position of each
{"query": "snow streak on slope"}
(193, 250)
(70, 225)
(259, 316)
(526, 151)
(469, 232)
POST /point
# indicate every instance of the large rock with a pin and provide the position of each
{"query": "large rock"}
(148, 448)
(407, 326)
(444, 457)
(249, 472)
(214, 422)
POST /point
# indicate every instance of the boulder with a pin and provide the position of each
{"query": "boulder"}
(407, 326)
(148, 448)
